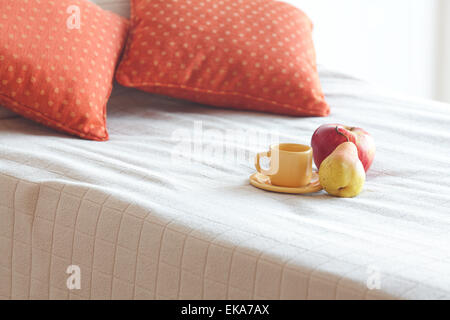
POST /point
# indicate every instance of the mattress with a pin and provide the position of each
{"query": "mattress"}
(164, 210)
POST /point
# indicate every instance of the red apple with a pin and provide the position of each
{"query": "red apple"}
(329, 136)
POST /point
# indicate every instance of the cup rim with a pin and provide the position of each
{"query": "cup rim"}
(277, 147)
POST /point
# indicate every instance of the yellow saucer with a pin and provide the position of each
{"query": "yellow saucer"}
(261, 181)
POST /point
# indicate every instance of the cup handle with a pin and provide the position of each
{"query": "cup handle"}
(258, 158)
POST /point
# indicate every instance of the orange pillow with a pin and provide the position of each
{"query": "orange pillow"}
(252, 54)
(57, 62)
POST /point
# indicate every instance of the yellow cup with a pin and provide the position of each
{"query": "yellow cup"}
(290, 165)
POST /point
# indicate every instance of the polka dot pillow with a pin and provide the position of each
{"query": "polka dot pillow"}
(244, 54)
(57, 62)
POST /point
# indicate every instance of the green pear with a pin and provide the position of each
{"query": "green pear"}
(342, 174)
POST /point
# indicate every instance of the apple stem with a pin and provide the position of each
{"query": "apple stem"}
(337, 130)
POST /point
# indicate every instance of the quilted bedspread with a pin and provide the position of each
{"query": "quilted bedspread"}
(164, 210)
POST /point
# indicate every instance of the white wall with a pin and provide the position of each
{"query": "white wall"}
(392, 43)
(443, 65)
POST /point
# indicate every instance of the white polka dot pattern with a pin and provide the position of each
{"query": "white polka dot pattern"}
(247, 54)
(56, 75)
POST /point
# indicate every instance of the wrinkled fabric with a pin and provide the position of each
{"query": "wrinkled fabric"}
(141, 221)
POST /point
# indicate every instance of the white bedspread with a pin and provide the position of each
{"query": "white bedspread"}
(141, 223)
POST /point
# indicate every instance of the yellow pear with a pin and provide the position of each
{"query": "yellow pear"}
(342, 174)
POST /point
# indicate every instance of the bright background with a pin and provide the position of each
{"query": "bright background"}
(403, 45)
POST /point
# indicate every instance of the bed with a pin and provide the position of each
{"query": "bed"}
(143, 222)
